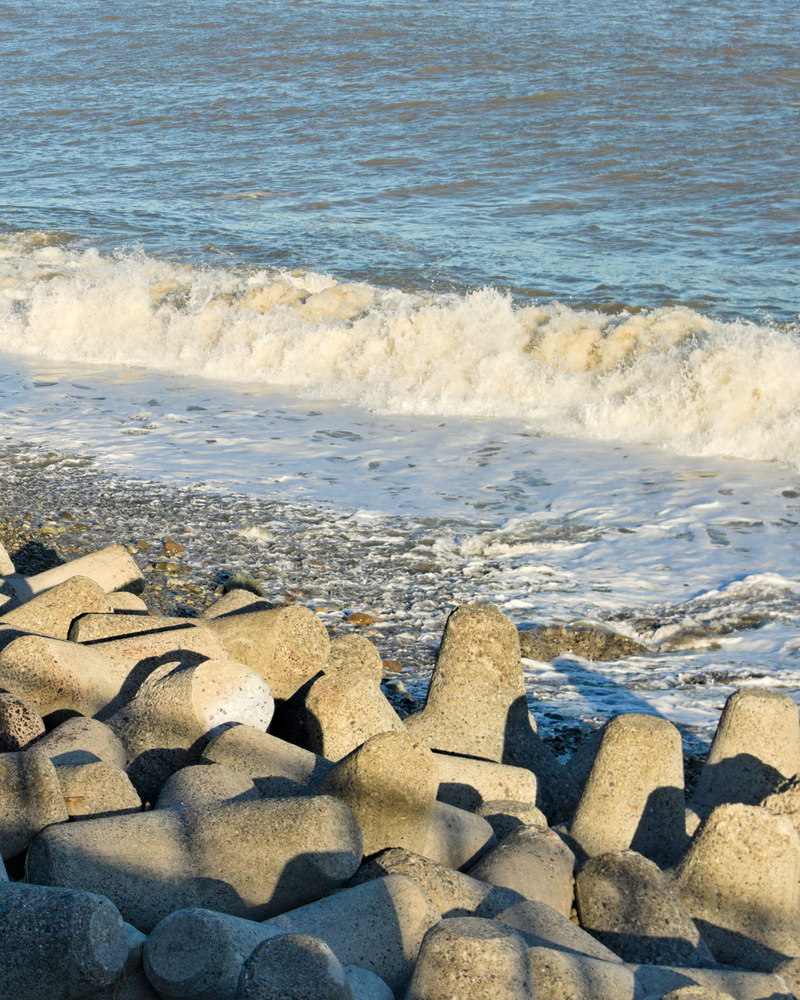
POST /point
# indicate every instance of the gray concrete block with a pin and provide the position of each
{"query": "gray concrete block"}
(53, 674)
(390, 783)
(377, 926)
(471, 957)
(199, 785)
(456, 837)
(293, 967)
(505, 815)
(342, 710)
(276, 766)
(657, 980)
(477, 706)
(467, 782)
(633, 797)
(286, 646)
(31, 799)
(252, 859)
(81, 740)
(756, 746)
(52, 612)
(633, 908)
(176, 706)
(20, 723)
(542, 926)
(112, 568)
(534, 862)
(453, 893)
(57, 944)
(96, 789)
(739, 881)
(562, 975)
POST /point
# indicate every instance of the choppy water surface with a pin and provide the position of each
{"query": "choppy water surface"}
(601, 153)
(400, 306)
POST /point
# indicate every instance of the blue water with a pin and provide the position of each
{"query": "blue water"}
(598, 153)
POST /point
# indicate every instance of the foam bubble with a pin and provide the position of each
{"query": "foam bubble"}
(670, 377)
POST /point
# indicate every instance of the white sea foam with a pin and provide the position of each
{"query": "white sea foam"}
(670, 377)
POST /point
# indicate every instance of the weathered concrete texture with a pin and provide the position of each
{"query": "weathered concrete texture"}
(354, 656)
(591, 642)
(199, 785)
(470, 957)
(785, 800)
(342, 711)
(80, 740)
(506, 815)
(739, 881)
(132, 984)
(31, 798)
(534, 862)
(390, 783)
(96, 789)
(252, 859)
(629, 904)
(176, 705)
(633, 797)
(756, 746)
(467, 782)
(453, 893)
(20, 723)
(789, 973)
(57, 944)
(696, 993)
(233, 601)
(53, 674)
(53, 612)
(112, 568)
(286, 646)
(562, 975)
(377, 926)
(657, 980)
(455, 837)
(293, 967)
(541, 926)
(476, 704)
(365, 985)
(96, 627)
(276, 766)
(124, 602)
(6, 565)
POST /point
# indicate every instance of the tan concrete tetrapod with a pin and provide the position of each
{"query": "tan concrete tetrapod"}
(756, 746)
(253, 859)
(53, 612)
(477, 706)
(634, 796)
(467, 782)
(471, 957)
(390, 783)
(740, 881)
(286, 646)
(112, 568)
(31, 798)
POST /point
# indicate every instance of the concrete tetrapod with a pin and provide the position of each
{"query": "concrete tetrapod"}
(471, 957)
(633, 797)
(53, 612)
(253, 859)
(629, 904)
(739, 882)
(57, 944)
(198, 954)
(477, 706)
(293, 967)
(756, 746)
(31, 798)
(112, 568)
(390, 783)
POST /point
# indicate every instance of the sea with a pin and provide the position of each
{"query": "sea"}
(428, 303)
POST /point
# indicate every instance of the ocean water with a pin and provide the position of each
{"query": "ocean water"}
(448, 301)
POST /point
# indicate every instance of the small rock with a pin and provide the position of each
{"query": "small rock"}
(591, 642)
